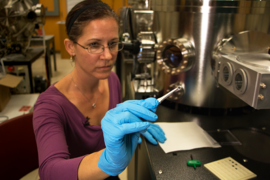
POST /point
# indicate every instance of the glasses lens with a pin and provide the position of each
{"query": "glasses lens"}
(95, 49)
(113, 46)
(120, 46)
(116, 46)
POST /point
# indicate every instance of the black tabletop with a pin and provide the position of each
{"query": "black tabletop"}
(251, 129)
(31, 55)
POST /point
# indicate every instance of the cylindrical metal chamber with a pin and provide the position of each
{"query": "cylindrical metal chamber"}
(201, 25)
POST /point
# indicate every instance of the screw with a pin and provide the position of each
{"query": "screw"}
(261, 97)
(245, 160)
(262, 85)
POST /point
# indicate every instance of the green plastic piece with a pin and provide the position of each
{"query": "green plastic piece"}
(194, 163)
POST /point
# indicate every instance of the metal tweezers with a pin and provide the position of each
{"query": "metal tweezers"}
(178, 88)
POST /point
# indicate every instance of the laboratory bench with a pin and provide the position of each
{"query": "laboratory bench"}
(31, 55)
(252, 129)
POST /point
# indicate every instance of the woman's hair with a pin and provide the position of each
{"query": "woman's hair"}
(84, 12)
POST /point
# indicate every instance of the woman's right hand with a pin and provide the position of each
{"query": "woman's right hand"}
(121, 128)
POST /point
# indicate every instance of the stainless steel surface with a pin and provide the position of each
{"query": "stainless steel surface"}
(169, 94)
(244, 68)
(147, 41)
(140, 4)
(204, 24)
(17, 23)
(141, 20)
(136, 27)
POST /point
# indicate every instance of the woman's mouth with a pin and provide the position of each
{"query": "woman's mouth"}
(105, 68)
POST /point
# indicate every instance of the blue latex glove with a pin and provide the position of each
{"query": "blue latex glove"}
(149, 103)
(154, 132)
(121, 128)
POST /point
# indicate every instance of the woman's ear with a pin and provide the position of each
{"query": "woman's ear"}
(69, 45)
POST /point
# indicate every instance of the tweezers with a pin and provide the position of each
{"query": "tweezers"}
(178, 88)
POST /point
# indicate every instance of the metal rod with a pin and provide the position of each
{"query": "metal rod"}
(178, 88)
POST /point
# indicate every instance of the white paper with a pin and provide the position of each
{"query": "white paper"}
(185, 136)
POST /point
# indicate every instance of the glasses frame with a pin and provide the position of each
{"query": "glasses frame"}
(88, 48)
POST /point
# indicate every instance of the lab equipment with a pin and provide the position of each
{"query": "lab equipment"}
(189, 35)
(18, 22)
(192, 41)
(178, 88)
(121, 127)
(228, 168)
(243, 68)
(136, 28)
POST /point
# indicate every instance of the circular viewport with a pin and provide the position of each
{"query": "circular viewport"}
(225, 73)
(173, 55)
(238, 81)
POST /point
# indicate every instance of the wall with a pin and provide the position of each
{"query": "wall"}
(52, 28)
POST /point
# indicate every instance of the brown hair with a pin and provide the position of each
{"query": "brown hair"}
(97, 10)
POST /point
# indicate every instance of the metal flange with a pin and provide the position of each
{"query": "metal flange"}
(175, 55)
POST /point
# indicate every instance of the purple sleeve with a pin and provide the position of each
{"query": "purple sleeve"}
(54, 162)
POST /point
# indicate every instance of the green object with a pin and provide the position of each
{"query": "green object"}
(194, 163)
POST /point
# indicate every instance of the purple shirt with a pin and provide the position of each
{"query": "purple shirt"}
(62, 138)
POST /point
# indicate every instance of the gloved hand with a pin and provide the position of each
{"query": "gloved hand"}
(154, 132)
(121, 128)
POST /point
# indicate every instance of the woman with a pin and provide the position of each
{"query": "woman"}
(77, 137)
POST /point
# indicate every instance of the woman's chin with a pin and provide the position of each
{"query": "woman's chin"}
(103, 75)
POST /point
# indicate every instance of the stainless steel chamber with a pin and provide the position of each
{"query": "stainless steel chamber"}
(242, 66)
(187, 34)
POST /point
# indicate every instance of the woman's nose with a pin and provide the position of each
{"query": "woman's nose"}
(107, 53)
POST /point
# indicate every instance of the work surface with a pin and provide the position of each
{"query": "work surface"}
(254, 150)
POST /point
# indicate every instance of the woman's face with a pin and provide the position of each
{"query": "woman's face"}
(103, 32)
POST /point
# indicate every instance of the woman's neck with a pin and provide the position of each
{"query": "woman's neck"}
(86, 83)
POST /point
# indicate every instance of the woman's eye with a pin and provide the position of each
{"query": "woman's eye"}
(94, 44)
(113, 43)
